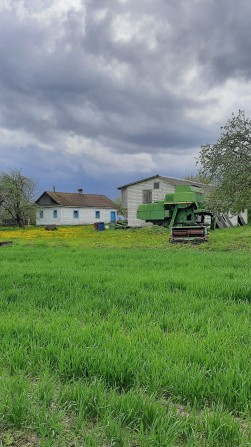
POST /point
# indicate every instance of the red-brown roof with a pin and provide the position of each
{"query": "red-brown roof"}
(79, 200)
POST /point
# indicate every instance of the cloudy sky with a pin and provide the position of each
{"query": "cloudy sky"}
(96, 93)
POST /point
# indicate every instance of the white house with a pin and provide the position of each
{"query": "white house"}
(63, 208)
(153, 189)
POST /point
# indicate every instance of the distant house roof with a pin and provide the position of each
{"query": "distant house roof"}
(79, 200)
(169, 180)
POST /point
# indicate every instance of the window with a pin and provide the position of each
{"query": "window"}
(97, 214)
(55, 214)
(156, 185)
(75, 214)
(147, 196)
(41, 214)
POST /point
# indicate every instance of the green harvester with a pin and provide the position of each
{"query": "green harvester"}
(183, 212)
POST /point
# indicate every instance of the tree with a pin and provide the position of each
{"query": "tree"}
(17, 196)
(227, 164)
(120, 210)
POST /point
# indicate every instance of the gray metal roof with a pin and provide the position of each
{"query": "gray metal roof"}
(169, 180)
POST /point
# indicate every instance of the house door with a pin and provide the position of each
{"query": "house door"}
(113, 216)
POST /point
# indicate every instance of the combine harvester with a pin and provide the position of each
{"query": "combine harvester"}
(183, 212)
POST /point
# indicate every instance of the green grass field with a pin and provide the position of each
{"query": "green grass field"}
(118, 338)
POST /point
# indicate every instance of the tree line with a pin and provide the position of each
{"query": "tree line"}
(226, 165)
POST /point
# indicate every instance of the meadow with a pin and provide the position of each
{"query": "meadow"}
(119, 338)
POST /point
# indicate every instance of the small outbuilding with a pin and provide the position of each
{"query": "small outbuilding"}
(64, 208)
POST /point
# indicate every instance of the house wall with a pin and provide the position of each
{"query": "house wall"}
(134, 197)
(65, 216)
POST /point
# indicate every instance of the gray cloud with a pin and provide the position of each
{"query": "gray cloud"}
(82, 81)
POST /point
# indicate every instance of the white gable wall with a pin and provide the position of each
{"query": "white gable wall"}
(65, 216)
(134, 197)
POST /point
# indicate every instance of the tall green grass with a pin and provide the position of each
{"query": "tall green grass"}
(125, 347)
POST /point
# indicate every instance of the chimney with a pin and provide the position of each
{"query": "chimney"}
(80, 190)
(54, 188)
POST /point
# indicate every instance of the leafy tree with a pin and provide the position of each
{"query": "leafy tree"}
(227, 164)
(17, 196)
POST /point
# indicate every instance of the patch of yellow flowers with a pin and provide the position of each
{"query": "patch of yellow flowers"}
(41, 233)
(86, 236)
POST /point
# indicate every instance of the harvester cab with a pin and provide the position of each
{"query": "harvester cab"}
(183, 212)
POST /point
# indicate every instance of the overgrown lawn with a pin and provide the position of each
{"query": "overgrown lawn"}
(147, 344)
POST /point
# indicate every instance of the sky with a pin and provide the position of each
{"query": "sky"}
(95, 94)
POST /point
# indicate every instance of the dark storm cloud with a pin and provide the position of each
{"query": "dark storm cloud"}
(132, 78)
(224, 51)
